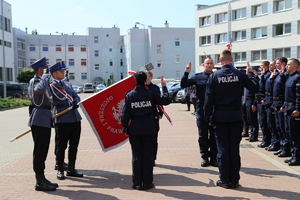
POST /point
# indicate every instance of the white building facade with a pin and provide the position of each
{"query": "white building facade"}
(258, 30)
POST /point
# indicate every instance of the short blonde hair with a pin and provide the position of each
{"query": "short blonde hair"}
(226, 55)
(150, 73)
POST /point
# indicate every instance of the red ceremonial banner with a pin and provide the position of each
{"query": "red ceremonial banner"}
(104, 110)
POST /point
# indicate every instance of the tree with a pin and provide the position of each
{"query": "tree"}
(25, 75)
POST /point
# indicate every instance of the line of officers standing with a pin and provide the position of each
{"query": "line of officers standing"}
(50, 94)
(220, 118)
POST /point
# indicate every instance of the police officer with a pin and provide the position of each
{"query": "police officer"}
(267, 102)
(158, 114)
(68, 125)
(222, 108)
(291, 109)
(262, 115)
(138, 122)
(206, 139)
(40, 122)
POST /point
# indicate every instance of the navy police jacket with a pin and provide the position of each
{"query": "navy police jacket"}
(224, 90)
(262, 90)
(291, 93)
(139, 110)
(278, 90)
(156, 89)
(269, 90)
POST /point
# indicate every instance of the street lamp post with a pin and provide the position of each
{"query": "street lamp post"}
(145, 52)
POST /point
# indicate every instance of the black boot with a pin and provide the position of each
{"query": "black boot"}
(41, 184)
(60, 173)
(72, 171)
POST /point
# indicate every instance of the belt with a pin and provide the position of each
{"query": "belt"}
(142, 117)
(248, 98)
(43, 107)
(277, 98)
(268, 93)
(220, 107)
(289, 103)
(260, 97)
(64, 105)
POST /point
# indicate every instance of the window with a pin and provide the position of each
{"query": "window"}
(259, 55)
(121, 49)
(239, 35)
(72, 76)
(205, 40)
(121, 62)
(158, 64)
(71, 62)
(57, 60)
(260, 32)
(83, 62)
(97, 67)
(109, 49)
(7, 44)
(158, 48)
(58, 47)
(45, 47)
(222, 17)
(177, 42)
(177, 59)
(282, 5)
(70, 47)
(31, 61)
(286, 52)
(96, 53)
(282, 29)
(222, 38)
(239, 14)
(107, 35)
(96, 39)
(240, 57)
(177, 75)
(260, 9)
(31, 47)
(83, 76)
(7, 24)
(110, 62)
(83, 48)
(204, 21)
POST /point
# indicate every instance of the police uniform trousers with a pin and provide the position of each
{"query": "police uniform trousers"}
(262, 119)
(245, 120)
(252, 119)
(271, 125)
(279, 121)
(67, 133)
(142, 159)
(292, 125)
(41, 138)
(155, 139)
(206, 139)
(228, 137)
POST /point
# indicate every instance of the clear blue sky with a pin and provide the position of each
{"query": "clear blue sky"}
(68, 16)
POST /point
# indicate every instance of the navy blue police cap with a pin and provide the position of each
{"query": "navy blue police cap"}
(39, 63)
(256, 68)
(58, 66)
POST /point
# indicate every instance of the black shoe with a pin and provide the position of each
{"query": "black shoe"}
(65, 166)
(253, 139)
(222, 184)
(247, 138)
(273, 148)
(284, 154)
(50, 183)
(262, 145)
(60, 175)
(188, 110)
(294, 162)
(234, 185)
(204, 162)
(245, 134)
(74, 172)
(288, 160)
(148, 186)
(137, 187)
(43, 186)
(213, 162)
(277, 152)
(268, 147)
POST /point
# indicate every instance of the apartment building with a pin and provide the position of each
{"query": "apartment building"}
(257, 30)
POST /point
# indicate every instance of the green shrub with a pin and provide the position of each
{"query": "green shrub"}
(10, 102)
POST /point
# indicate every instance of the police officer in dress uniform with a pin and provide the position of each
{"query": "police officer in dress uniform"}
(291, 109)
(40, 122)
(138, 122)
(222, 108)
(157, 116)
(206, 139)
(68, 125)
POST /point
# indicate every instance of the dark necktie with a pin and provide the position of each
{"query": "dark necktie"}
(61, 83)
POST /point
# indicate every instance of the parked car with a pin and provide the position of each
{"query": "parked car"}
(17, 90)
(76, 88)
(173, 88)
(88, 87)
(100, 87)
(181, 96)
